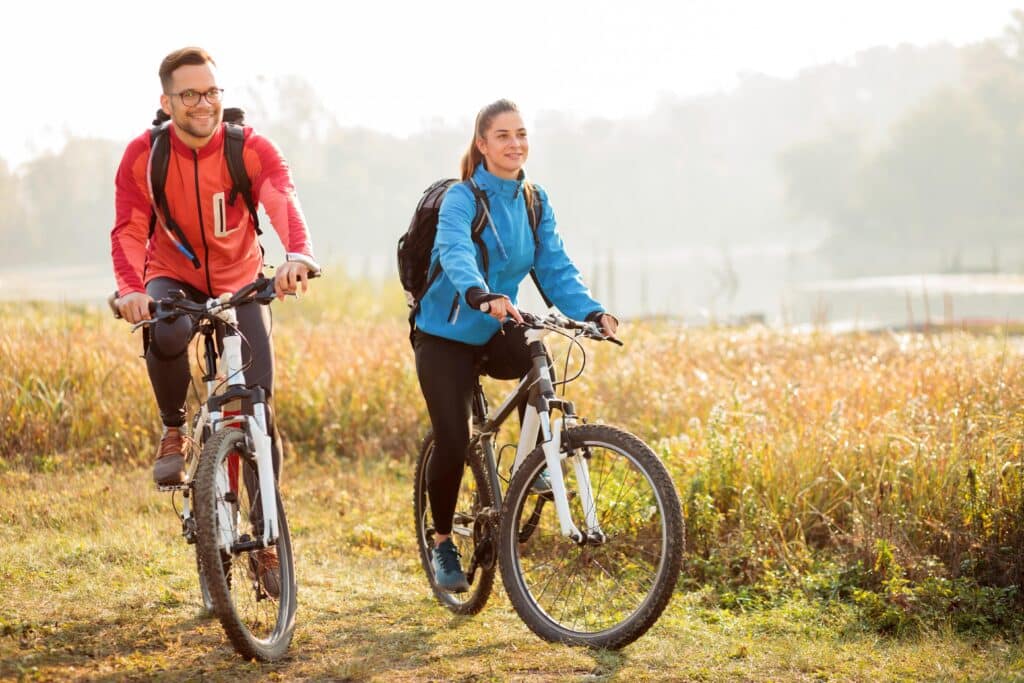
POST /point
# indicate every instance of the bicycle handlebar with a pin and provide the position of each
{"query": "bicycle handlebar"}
(558, 322)
(261, 290)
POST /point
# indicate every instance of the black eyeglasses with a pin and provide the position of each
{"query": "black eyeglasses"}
(190, 98)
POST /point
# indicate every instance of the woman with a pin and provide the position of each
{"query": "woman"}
(466, 313)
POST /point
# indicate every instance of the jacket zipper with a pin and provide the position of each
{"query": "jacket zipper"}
(453, 314)
(202, 229)
(494, 231)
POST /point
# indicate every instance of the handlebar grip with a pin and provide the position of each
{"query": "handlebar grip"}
(112, 302)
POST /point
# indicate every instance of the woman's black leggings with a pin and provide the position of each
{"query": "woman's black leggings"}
(448, 372)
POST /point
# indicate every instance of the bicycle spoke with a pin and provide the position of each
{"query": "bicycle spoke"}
(568, 582)
(554, 573)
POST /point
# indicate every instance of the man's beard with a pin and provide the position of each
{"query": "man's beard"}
(189, 127)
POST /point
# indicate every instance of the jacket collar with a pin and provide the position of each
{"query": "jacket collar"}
(509, 189)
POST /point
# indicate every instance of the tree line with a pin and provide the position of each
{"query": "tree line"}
(900, 149)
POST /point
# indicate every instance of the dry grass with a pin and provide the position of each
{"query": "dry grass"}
(834, 487)
(98, 585)
(782, 444)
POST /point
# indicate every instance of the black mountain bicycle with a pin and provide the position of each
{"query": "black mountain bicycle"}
(595, 560)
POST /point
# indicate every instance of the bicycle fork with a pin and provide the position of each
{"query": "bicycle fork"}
(537, 421)
(256, 426)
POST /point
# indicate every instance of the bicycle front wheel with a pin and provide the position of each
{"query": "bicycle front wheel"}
(472, 535)
(608, 592)
(253, 592)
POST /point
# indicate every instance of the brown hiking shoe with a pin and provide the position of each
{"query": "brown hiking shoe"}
(263, 563)
(169, 469)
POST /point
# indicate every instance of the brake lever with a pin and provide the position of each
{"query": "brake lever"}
(594, 332)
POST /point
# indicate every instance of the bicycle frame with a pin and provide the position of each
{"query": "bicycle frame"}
(537, 390)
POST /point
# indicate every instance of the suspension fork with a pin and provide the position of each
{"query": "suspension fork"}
(537, 421)
(257, 429)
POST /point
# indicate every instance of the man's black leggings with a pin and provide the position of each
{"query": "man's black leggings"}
(168, 363)
(448, 372)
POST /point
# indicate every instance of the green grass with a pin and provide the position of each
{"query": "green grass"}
(98, 584)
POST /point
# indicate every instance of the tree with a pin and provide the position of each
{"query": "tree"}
(15, 232)
(69, 201)
(947, 177)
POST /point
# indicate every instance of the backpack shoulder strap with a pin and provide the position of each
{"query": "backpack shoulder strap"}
(156, 174)
(156, 169)
(476, 230)
(483, 206)
(534, 211)
(241, 184)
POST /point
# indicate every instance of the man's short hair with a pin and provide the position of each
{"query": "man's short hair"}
(183, 57)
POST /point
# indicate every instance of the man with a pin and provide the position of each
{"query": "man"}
(204, 243)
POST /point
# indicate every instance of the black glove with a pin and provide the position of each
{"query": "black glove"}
(475, 297)
(595, 317)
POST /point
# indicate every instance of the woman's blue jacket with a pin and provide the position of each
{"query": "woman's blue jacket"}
(511, 253)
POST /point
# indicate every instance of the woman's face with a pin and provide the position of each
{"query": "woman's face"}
(504, 145)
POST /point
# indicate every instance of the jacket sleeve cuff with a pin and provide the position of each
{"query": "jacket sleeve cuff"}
(473, 293)
(475, 296)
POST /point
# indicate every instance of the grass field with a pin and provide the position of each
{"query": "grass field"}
(853, 506)
(97, 584)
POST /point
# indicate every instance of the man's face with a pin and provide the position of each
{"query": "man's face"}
(200, 120)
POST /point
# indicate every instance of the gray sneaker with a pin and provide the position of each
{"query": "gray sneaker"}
(169, 469)
(448, 569)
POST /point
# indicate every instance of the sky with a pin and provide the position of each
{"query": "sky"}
(89, 69)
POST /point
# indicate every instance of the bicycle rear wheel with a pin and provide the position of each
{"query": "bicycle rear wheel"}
(242, 586)
(605, 593)
(471, 534)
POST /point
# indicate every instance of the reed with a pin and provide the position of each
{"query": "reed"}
(853, 459)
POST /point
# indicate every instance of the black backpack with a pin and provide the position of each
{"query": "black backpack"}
(415, 245)
(160, 158)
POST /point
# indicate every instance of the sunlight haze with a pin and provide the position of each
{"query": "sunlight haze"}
(400, 66)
